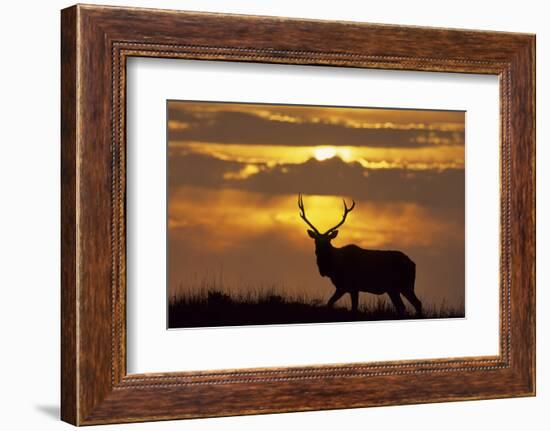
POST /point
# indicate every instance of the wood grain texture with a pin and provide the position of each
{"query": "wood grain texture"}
(96, 41)
(69, 366)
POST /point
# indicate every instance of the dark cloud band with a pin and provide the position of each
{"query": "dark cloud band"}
(431, 187)
(249, 129)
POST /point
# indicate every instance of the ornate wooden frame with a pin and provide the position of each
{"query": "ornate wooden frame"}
(95, 42)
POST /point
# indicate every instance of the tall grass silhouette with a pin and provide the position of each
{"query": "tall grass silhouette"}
(208, 303)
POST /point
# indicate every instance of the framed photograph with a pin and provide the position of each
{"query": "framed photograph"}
(263, 214)
(237, 252)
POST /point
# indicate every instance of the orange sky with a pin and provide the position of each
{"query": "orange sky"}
(234, 172)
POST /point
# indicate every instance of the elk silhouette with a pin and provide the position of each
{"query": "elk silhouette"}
(353, 269)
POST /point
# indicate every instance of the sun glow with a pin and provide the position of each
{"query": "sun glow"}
(324, 153)
(442, 157)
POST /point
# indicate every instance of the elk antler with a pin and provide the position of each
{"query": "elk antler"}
(346, 211)
(303, 213)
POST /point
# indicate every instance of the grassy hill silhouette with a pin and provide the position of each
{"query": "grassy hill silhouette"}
(214, 308)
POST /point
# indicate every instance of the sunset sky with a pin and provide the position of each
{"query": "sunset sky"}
(235, 170)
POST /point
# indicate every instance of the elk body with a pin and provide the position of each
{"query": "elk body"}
(352, 269)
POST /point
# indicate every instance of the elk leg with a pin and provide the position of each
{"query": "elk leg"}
(412, 298)
(335, 297)
(397, 302)
(354, 300)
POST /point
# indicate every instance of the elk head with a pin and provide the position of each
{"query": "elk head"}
(322, 240)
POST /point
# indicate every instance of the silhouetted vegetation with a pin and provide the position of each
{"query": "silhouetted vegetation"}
(212, 307)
